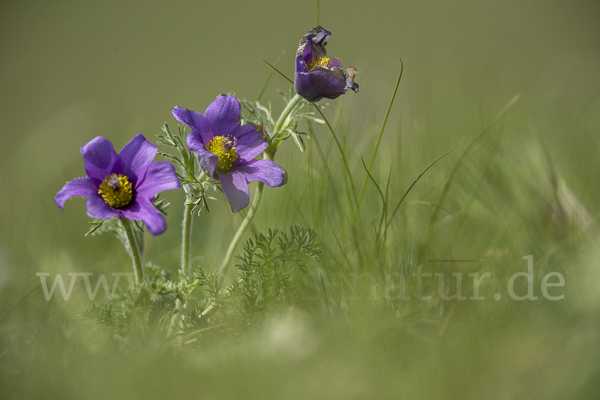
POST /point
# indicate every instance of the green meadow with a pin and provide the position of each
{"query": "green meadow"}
(438, 237)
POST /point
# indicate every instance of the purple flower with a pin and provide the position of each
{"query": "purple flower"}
(226, 149)
(318, 76)
(122, 185)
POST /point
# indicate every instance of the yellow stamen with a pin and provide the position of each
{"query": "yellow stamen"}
(116, 191)
(323, 62)
(225, 150)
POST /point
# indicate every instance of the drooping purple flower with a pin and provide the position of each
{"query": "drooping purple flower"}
(226, 149)
(318, 76)
(122, 185)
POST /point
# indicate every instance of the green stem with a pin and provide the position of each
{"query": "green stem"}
(243, 227)
(186, 238)
(268, 154)
(287, 110)
(138, 267)
(318, 13)
(282, 121)
(344, 160)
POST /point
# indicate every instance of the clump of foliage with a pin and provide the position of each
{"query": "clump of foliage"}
(210, 310)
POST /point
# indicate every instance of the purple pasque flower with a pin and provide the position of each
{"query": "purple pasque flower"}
(318, 76)
(122, 185)
(226, 149)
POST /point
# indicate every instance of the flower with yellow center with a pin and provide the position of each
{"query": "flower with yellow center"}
(223, 148)
(317, 75)
(116, 191)
(322, 62)
(227, 150)
(122, 185)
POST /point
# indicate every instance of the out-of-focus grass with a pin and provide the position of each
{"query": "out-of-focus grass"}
(523, 184)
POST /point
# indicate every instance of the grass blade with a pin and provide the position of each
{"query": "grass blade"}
(415, 182)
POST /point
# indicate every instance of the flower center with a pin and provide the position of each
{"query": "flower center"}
(116, 191)
(223, 148)
(323, 62)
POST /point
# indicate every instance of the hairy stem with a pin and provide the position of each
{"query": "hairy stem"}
(281, 122)
(243, 227)
(138, 267)
(186, 238)
(268, 154)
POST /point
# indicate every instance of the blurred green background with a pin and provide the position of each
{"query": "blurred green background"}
(73, 70)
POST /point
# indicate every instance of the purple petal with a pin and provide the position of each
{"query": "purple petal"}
(307, 54)
(77, 187)
(99, 158)
(300, 66)
(314, 43)
(240, 131)
(250, 145)
(265, 171)
(159, 176)
(97, 208)
(136, 156)
(303, 57)
(312, 46)
(194, 120)
(207, 160)
(236, 189)
(320, 83)
(143, 210)
(224, 115)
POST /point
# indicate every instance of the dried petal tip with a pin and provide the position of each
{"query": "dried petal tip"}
(350, 73)
(317, 35)
(318, 76)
